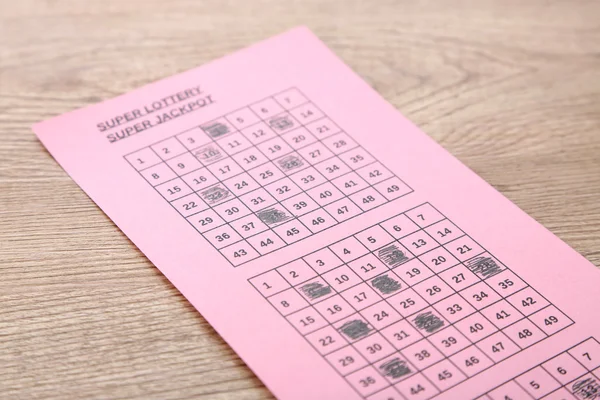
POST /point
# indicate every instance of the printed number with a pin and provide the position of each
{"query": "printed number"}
(232, 210)
(407, 303)
(240, 185)
(360, 297)
(380, 316)
(419, 243)
(283, 189)
(469, 362)
(346, 361)
(432, 291)
(374, 349)
(453, 309)
(475, 328)
(206, 221)
(480, 296)
(306, 114)
(265, 175)
(234, 144)
(445, 374)
(240, 253)
(265, 243)
(326, 341)
(422, 355)
(307, 179)
(525, 333)
(258, 133)
(528, 302)
(438, 260)
(307, 321)
(416, 389)
(449, 341)
(318, 221)
(368, 199)
(368, 267)
(367, 381)
(222, 237)
(174, 189)
(274, 149)
(413, 272)
(444, 233)
(393, 188)
(463, 249)
(190, 205)
(505, 283)
(200, 179)
(502, 314)
(300, 205)
(334, 310)
(498, 347)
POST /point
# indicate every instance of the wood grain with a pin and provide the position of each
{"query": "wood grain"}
(511, 87)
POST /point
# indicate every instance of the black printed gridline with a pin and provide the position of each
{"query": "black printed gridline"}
(265, 176)
(409, 307)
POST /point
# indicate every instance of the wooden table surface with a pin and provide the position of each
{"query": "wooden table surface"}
(510, 87)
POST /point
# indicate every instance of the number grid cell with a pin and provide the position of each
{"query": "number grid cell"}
(265, 176)
(571, 374)
(422, 304)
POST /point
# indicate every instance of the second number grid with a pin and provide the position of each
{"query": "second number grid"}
(397, 322)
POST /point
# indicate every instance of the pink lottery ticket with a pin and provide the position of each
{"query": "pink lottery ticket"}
(338, 249)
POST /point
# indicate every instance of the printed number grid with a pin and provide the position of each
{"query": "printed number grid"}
(266, 176)
(409, 307)
(572, 374)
